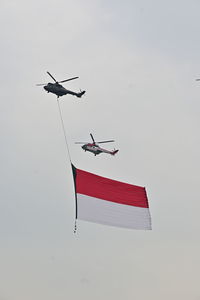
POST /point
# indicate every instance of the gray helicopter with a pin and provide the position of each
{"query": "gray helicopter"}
(58, 89)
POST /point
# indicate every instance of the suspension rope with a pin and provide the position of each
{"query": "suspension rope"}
(64, 131)
(67, 146)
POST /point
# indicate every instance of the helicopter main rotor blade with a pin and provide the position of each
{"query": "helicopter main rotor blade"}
(67, 79)
(92, 138)
(51, 76)
(105, 142)
(40, 84)
(81, 142)
(198, 79)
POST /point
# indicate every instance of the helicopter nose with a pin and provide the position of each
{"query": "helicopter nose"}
(45, 87)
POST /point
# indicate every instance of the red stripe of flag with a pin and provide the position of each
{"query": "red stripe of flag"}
(110, 190)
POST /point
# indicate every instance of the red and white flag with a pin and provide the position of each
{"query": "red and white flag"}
(110, 202)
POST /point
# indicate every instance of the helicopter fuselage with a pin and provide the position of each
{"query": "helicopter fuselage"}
(59, 90)
(95, 149)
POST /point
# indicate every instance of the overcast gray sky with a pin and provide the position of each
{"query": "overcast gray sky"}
(137, 61)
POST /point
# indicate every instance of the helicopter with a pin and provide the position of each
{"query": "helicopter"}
(94, 147)
(58, 89)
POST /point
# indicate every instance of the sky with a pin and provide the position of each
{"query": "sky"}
(137, 61)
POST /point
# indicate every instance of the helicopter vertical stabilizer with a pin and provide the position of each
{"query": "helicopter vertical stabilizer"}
(114, 152)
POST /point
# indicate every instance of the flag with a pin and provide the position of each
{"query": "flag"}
(110, 202)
